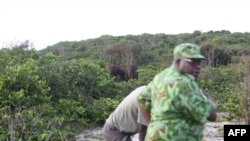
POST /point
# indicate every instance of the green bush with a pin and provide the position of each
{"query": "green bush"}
(23, 93)
(101, 109)
(220, 83)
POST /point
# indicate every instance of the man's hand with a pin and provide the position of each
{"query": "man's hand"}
(213, 114)
(205, 94)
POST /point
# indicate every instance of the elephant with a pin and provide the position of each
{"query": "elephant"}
(130, 71)
(122, 72)
(116, 72)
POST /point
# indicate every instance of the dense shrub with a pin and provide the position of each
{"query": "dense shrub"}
(221, 84)
(24, 98)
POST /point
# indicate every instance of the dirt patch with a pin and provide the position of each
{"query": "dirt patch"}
(213, 131)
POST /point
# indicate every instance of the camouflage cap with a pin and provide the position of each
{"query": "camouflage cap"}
(188, 50)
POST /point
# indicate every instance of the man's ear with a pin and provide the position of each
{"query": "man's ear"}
(177, 62)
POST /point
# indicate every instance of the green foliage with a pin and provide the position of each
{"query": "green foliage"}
(220, 83)
(74, 78)
(23, 92)
(244, 86)
(20, 84)
(147, 73)
(70, 110)
(232, 106)
(101, 109)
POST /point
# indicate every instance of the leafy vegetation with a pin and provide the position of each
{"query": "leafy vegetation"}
(55, 93)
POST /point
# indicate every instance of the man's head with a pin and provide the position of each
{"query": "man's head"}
(188, 58)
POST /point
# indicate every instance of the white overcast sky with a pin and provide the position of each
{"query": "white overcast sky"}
(47, 22)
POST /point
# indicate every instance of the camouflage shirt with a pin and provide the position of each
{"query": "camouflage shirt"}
(178, 110)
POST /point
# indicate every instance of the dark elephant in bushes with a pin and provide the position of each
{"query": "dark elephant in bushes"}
(116, 72)
(130, 71)
(122, 72)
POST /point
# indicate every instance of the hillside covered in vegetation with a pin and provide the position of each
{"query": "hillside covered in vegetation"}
(56, 92)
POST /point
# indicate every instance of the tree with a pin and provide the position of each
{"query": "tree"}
(216, 56)
(123, 52)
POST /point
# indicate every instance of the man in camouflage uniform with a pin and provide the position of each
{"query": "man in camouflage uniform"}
(173, 102)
